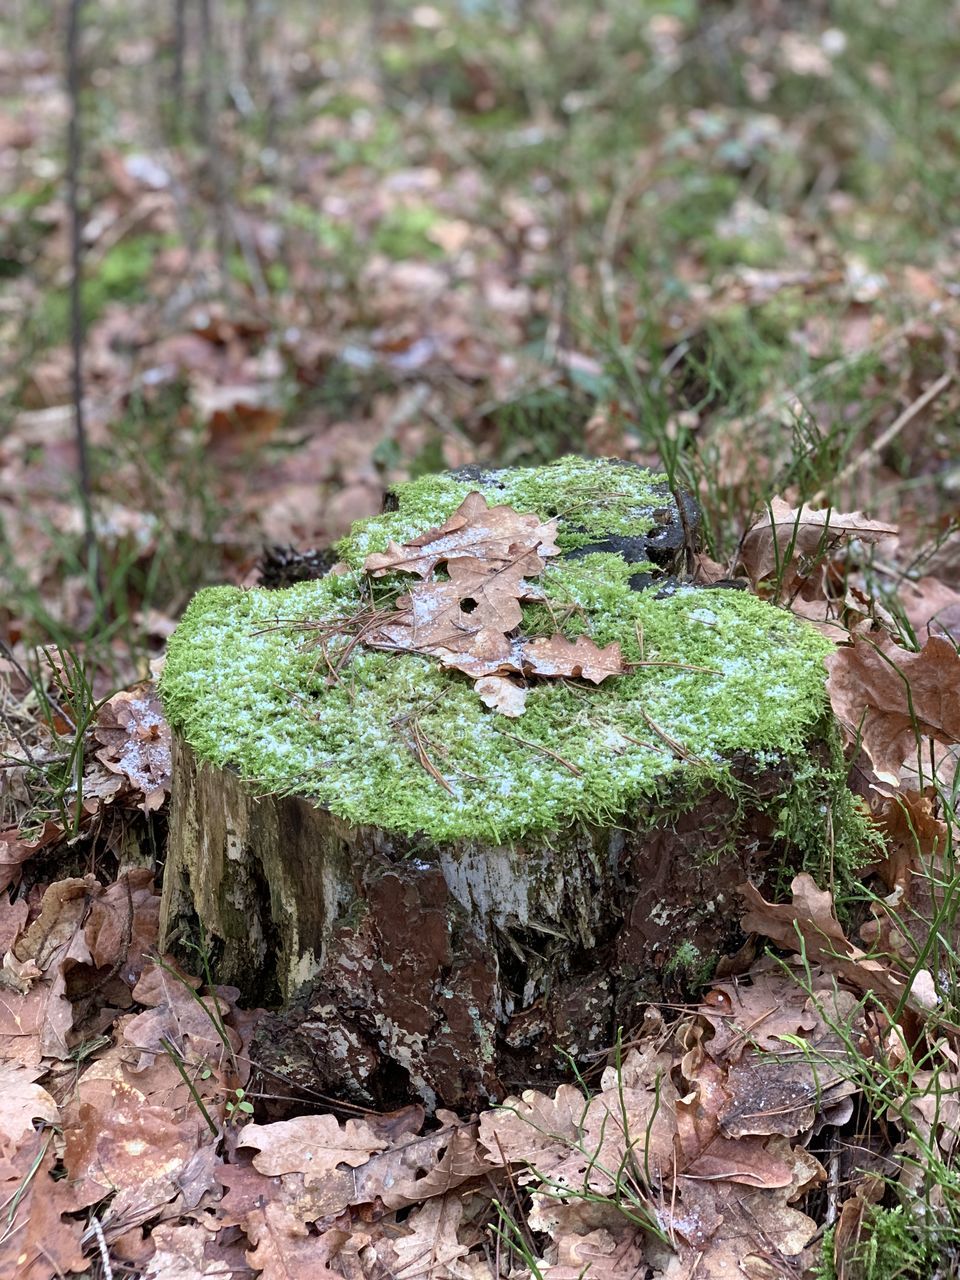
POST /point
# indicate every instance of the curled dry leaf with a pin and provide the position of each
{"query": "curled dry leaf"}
(784, 534)
(913, 872)
(502, 694)
(809, 923)
(14, 852)
(891, 698)
(136, 742)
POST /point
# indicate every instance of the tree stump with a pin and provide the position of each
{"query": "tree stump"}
(441, 902)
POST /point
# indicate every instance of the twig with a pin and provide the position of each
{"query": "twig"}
(76, 299)
(179, 45)
(420, 751)
(209, 129)
(677, 747)
(535, 746)
(878, 445)
(680, 666)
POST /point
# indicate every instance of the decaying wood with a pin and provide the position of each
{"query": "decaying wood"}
(453, 973)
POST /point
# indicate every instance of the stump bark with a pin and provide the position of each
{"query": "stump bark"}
(397, 964)
(456, 973)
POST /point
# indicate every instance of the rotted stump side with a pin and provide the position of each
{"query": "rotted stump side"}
(452, 973)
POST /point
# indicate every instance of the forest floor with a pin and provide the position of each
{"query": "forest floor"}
(326, 249)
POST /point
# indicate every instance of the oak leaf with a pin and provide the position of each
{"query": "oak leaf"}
(809, 924)
(558, 656)
(475, 530)
(932, 608)
(284, 1248)
(311, 1145)
(466, 618)
(136, 742)
(784, 534)
(22, 1101)
(891, 698)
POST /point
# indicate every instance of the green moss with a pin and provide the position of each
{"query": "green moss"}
(690, 966)
(594, 500)
(248, 687)
(892, 1246)
(121, 275)
(404, 232)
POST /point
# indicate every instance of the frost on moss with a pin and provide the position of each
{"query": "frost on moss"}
(247, 687)
(594, 499)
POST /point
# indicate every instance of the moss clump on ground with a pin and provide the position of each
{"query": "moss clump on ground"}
(247, 686)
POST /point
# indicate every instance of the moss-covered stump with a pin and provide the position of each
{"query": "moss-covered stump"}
(442, 901)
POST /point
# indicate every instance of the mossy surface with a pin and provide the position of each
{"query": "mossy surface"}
(247, 686)
(593, 499)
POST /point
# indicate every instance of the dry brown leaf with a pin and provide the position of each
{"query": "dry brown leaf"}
(809, 922)
(466, 619)
(850, 1224)
(932, 608)
(122, 925)
(772, 1086)
(429, 1248)
(311, 1145)
(284, 1248)
(14, 852)
(892, 698)
(602, 1254)
(704, 1152)
(535, 1129)
(38, 1242)
(136, 742)
(117, 1142)
(188, 1251)
(730, 1230)
(21, 1102)
(190, 1021)
(491, 535)
(784, 534)
(558, 656)
(502, 695)
(406, 1173)
(914, 874)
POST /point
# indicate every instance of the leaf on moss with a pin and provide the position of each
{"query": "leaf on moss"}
(502, 694)
(467, 618)
(558, 656)
(892, 698)
(484, 533)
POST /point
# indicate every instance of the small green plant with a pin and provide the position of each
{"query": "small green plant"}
(238, 1106)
